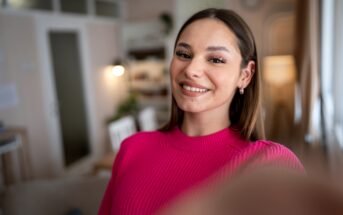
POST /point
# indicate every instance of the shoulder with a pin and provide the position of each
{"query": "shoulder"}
(272, 153)
(141, 137)
(273, 149)
(135, 146)
(140, 142)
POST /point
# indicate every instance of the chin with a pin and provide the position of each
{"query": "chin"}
(191, 108)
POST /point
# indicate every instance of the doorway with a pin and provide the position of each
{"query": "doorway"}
(69, 90)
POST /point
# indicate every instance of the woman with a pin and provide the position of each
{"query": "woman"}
(213, 131)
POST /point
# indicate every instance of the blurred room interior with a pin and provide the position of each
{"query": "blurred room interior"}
(76, 77)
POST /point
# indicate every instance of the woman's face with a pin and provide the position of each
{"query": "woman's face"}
(205, 69)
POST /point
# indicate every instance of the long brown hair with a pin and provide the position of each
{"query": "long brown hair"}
(244, 111)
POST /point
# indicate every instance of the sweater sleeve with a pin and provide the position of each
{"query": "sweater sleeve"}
(106, 203)
(267, 153)
(284, 157)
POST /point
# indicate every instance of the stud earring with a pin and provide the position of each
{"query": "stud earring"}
(241, 90)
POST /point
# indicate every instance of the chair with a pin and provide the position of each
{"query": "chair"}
(147, 119)
(121, 129)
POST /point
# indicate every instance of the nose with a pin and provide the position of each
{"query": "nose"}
(194, 69)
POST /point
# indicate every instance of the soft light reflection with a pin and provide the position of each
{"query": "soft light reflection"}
(109, 80)
(279, 70)
(118, 70)
(22, 3)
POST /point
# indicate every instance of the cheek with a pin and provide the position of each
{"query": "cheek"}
(174, 67)
(172, 73)
(225, 80)
(175, 70)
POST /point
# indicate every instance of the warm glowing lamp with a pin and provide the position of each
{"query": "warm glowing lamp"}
(279, 74)
(279, 70)
(118, 68)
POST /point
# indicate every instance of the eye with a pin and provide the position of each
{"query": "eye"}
(217, 60)
(183, 55)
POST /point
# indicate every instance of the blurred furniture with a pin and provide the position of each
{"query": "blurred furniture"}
(105, 164)
(121, 129)
(147, 119)
(13, 149)
(149, 83)
(55, 197)
(118, 131)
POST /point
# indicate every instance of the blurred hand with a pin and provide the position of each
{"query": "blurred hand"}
(265, 191)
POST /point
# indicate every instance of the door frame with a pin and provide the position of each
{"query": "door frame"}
(45, 24)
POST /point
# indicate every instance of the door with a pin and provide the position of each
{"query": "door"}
(69, 90)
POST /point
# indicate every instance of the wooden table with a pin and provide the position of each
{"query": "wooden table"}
(106, 163)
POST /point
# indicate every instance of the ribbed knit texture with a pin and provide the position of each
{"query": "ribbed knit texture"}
(153, 168)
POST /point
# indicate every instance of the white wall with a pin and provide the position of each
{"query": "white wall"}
(140, 10)
(184, 9)
(22, 65)
(21, 68)
(109, 90)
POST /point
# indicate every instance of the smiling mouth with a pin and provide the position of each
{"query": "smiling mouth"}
(194, 89)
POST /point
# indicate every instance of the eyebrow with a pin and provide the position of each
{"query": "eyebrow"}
(217, 48)
(184, 45)
(210, 48)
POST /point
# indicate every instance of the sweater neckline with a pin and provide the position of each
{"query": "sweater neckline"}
(215, 141)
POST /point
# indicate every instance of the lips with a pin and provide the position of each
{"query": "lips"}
(192, 89)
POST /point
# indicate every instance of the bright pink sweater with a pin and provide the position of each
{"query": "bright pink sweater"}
(153, 168)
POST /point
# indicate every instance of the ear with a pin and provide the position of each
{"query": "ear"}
(246, 75)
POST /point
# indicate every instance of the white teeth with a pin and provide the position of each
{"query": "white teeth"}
(194, 89)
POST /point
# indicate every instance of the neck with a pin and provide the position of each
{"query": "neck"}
(199, 124)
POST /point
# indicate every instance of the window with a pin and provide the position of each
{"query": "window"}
(107, 8)
(74, 6)
(99, 8)
(30, 4)
(337, 72)
(331, 62)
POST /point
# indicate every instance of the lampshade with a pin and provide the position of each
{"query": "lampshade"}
(279, 70)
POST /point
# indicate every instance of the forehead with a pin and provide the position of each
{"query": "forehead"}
(209, 32)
